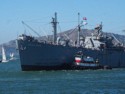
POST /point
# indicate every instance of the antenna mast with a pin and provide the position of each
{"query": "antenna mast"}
(54, 24)
(79, 29)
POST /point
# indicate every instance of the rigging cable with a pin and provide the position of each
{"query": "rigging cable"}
(31, 28)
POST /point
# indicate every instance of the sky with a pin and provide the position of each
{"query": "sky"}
(38, 15)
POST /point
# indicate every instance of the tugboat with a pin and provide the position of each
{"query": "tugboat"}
(85, 62)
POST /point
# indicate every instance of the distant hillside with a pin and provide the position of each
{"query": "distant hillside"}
(72, 34)
(9, 47)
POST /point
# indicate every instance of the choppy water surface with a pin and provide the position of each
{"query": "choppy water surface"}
(15, 81)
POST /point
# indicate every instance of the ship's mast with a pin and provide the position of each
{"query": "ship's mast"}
(79, 29)
(54, 23)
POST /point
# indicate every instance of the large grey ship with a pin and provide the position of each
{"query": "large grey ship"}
(36, 54)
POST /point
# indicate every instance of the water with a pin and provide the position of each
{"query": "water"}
(15, 81)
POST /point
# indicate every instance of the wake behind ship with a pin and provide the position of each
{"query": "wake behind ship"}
(58, 54)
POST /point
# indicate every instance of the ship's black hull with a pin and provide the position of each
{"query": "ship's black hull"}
(43, 56)
(63, 67)
(37, 68)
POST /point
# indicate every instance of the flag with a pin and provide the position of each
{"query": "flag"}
(84, 18)
(85, 23)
